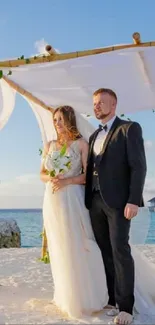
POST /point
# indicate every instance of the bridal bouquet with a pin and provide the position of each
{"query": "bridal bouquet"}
(58, 162)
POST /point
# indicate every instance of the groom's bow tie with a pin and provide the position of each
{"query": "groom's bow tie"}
(101, 127)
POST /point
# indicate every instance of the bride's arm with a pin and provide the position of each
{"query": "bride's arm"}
(43, 175)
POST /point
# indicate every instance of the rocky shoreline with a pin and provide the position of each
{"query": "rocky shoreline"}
(10, 234)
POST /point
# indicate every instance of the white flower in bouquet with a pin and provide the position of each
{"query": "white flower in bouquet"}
(58, 162)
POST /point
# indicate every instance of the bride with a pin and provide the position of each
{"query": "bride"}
(76, 262)
(80, 286)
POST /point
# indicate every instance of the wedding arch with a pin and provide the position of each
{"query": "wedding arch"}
(52, 79)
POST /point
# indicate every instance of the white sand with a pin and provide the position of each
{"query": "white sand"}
(26, 290)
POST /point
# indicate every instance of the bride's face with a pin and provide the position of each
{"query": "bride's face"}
(59, 123)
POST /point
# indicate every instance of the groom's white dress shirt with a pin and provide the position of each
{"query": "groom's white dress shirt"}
(99, 142)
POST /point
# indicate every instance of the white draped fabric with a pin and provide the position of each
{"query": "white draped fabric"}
(76, 262)
(45, 122)
(7, 102)
(129, 72)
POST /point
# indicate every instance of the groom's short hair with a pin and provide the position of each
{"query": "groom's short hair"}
(105, 91)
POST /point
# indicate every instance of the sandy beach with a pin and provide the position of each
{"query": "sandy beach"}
(26, 290)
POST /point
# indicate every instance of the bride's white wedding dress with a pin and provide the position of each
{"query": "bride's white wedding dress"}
(76, 261)
(78, 272)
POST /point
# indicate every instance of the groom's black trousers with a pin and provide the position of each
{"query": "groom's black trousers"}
(111, 230)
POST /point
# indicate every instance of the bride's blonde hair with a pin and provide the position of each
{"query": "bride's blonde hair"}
(69, 119)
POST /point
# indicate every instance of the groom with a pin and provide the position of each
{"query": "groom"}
(115, 179)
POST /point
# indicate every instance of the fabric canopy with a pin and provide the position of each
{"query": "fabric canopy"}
(129, 72)
(7, 102)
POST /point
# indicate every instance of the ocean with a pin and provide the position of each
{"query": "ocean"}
(30, 222)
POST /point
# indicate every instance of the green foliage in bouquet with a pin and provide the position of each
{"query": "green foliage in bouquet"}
(63, 150)
(61, 154)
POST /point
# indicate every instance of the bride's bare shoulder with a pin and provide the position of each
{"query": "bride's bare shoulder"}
(83, 144)
(48, 145)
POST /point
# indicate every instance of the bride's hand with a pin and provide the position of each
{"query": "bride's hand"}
(58, 183)
(54, 178)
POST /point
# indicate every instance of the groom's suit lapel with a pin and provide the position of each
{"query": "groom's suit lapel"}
(109, 135)
(93, 141)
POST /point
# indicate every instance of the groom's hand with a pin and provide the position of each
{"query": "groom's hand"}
(130, 211)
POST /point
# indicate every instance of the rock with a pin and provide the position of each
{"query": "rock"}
(10, 234)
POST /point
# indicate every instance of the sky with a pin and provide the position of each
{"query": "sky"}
(67, 25)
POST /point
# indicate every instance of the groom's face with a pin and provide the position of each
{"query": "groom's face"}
(104, 105)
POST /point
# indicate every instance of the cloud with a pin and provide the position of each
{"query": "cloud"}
(40, 46)
(148, 144)
(25, 191)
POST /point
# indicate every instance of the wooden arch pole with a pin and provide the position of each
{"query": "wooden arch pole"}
(142, 61)
(27, 94)
(44, 248)
(52, 55)
(37, 101)
(136, 38)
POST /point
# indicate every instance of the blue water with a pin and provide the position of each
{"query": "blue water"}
(151, 232)
(30, 222)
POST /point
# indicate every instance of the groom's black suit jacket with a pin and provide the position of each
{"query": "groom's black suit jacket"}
(121, 166)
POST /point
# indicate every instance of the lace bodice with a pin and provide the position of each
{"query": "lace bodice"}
(74, 153)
